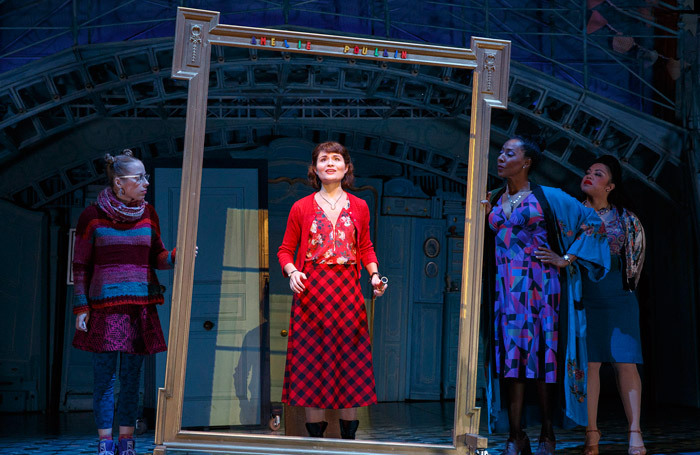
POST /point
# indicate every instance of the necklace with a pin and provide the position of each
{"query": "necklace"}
(514, 201)
(600, 212)
(332, 204)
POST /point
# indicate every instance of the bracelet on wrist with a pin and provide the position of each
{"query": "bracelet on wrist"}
(289, 275)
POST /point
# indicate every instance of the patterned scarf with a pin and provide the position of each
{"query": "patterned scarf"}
(116, 209)
(635, 246)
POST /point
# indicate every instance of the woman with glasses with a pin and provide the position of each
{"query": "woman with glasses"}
(117, 248)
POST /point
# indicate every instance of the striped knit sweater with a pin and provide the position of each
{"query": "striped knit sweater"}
(114, 262)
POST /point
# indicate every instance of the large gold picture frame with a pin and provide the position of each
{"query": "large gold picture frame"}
(196, 32)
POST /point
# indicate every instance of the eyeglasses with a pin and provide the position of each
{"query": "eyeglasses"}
(137, 178)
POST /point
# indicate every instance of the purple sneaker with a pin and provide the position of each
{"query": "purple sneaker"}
(105, 447)
(127, 446)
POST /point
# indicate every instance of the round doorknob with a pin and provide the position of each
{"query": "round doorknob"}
(208, 325)
(283, 333)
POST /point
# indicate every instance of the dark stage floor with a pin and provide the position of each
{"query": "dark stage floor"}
(666, 431)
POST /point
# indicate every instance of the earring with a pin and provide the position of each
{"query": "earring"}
(121, 191)
(607, 189)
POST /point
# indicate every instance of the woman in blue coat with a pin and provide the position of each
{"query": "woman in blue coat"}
(612, 310)
(543, 240)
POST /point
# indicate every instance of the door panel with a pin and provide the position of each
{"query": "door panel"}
(23, 322)
(223, 375)
(391, 311)
(425, 338)
(450, 337)
(429, 268)
(426, 351)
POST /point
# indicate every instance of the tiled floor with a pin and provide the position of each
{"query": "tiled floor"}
(666, 431)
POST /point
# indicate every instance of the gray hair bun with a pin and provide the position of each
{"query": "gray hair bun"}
(109, 159)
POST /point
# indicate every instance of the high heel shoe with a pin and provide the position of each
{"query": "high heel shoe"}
(591, 449)
(546, 447)
(636, 450)
(520, 446)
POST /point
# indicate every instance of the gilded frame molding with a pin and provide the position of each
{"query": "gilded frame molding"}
(196, 31)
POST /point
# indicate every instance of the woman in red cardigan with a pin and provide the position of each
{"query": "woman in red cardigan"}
(329, 360)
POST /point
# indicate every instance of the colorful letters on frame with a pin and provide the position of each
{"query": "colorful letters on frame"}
(355, 49)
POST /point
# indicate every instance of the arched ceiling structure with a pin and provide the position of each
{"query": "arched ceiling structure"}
(255, 95)
(624, 50)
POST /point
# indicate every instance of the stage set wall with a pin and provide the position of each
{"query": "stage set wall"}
(42, 372)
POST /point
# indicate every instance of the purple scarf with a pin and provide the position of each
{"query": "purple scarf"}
(116, 209)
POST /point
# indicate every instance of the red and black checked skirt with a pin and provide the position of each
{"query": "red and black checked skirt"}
(329, 360)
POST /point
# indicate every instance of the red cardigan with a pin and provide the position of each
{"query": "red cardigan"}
(299, 229)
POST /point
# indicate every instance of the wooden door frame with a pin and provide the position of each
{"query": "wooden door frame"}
(195, 32)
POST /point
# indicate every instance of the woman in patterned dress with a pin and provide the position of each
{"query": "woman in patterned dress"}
(612, 310)
(329, 360)
(543, 236)
(117, 248)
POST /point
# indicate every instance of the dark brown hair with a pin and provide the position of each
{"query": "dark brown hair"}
(616, 196)
(532, 148)
(331, 147)
(119, 165)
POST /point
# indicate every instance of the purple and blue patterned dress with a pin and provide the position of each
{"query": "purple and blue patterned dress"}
(527, 295)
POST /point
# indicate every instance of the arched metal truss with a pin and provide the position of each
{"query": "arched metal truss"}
(552, 37)
(264, 91)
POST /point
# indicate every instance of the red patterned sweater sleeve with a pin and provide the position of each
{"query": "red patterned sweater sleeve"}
(365, 247)
(292, 237)
(161, 258)
(83, 258)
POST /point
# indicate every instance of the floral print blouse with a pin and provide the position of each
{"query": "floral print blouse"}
(330, 244)
(614, 230)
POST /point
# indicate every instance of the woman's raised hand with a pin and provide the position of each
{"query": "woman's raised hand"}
(487, 203)
(295, 281)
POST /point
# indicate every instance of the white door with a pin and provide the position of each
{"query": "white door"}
(223, 375)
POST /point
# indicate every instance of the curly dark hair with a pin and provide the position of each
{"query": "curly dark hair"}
(331, 147)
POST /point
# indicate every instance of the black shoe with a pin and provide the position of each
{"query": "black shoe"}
(316, 429)
(520, 446)
(348, 428)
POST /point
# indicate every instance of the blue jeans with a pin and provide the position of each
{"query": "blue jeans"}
(104, 369)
